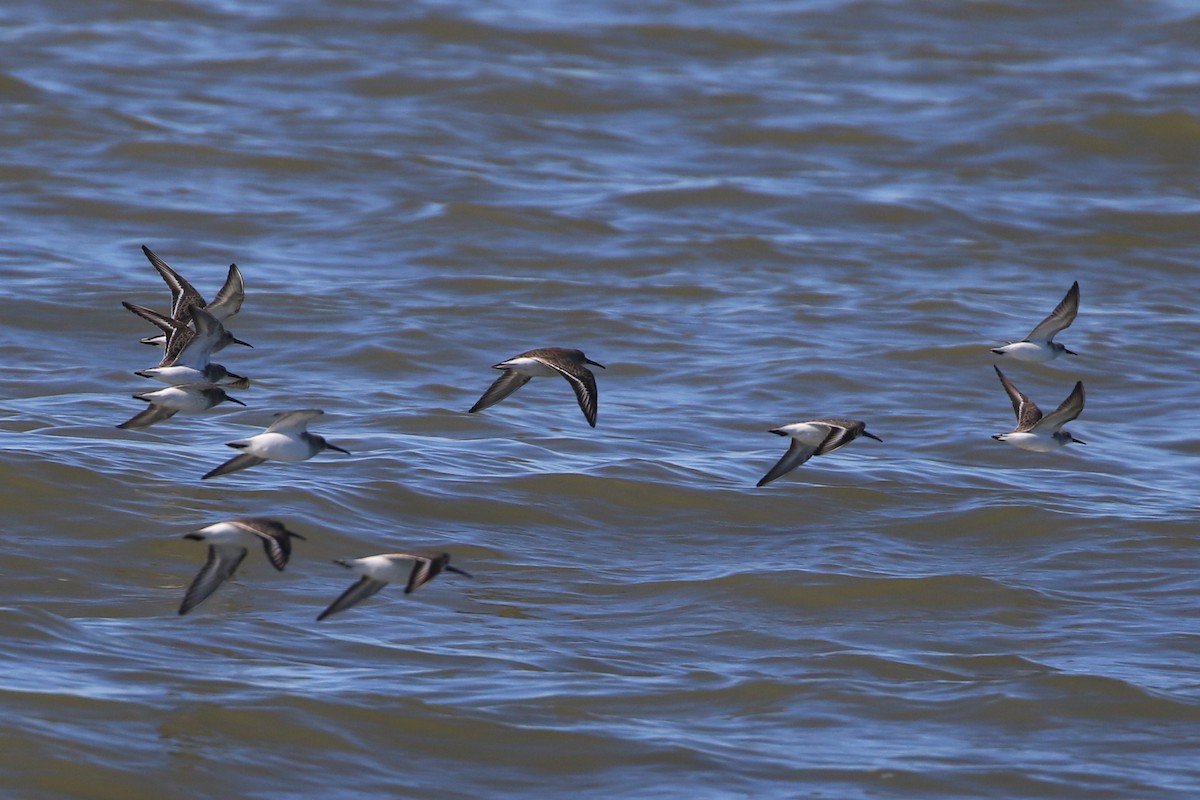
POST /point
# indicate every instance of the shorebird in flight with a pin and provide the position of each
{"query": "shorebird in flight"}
(287, 439)
(1035, 432)
(228, 543)
(183, 295)
(165, 403)
(814, 438)
(378, 571)
(541, 363)
(1039, 346)
(188, 355)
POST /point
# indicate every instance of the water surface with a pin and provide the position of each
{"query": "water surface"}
(752, 214)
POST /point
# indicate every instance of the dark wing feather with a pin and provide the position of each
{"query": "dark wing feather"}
(275, 537)
(1025, 409)
(1061, 317)
(216, 569)
(229, 300)
(1068, 410)
(797, 453)
(183, 294)
(508, 382)
(148, 417)
(243, 461)
(178, 334)
(359, 591)
(583, 382)
(424, 570)
(841, 433)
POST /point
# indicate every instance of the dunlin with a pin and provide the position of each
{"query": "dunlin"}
(1035, 432)
(1039, 346)
(165, 403)
(227, 546)
(814, 438)
(189, 350)
(378, 571)
(183, 295)
(287, 439)
(541, 363)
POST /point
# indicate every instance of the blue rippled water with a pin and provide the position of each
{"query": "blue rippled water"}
(752, 214)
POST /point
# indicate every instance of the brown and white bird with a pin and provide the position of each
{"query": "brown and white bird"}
(165, 403)
(378, 571)
(1036, 432)
(814, 438)
(286, 439)
(188, 354)
(543, 363)
(227, 302)
(228, 543)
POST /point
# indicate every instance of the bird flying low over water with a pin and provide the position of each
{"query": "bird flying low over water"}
(183, 295)
(541, 363)
(1035, 432)
(814, 438)
(378, 571)
(187, 358)
(287, 439)
(165, 403)
(228, 543)
(1039, 346)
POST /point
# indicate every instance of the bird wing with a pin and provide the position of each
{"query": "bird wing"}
(178, 334)
(583, 382)
(229, 300)
(841, 433)
(508, 382)
(363, 588)
(424, 570)
(197, 351)
(147, 417)
(275, 537)
(222, 561)
(183, 294)
(797, 453)
(1068, 410)
(1026, 410)
(243, 461)
(164, 323)
(1061, 317)
(293, 421)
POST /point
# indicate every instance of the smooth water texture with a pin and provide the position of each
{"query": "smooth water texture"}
(753, 214)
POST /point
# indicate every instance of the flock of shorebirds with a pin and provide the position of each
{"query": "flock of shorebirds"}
(194, 330)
